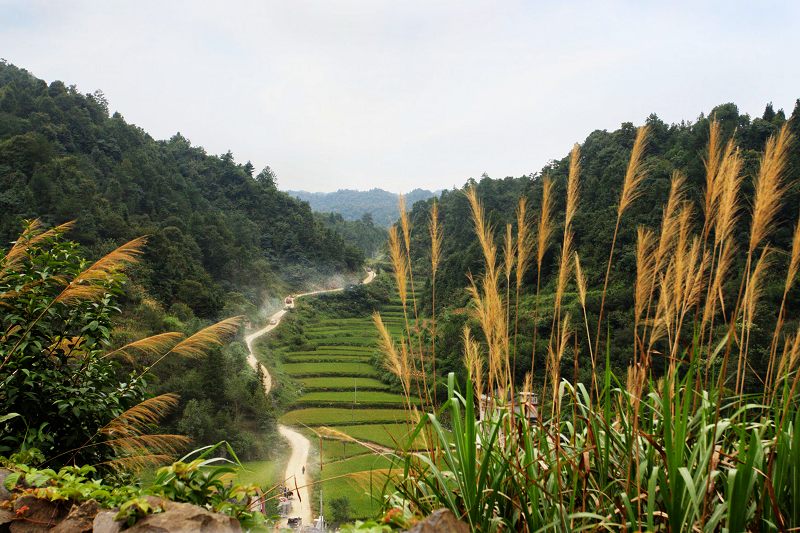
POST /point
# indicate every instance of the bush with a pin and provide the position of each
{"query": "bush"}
(340, 510)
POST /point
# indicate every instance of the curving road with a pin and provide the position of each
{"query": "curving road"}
(300, 446)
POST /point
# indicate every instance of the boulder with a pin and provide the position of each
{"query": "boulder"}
(4, 494)
(440, 521)
(34, 515)
(104, 523)
(80, 518)
(185, 517)
(6, 517)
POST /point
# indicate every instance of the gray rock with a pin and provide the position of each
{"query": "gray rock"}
(80, 518)
(180, 517)
(4, 494)
(6, 517)
(104, 522)
(440, 521)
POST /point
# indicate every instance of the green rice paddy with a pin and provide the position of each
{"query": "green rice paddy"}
(339, 387)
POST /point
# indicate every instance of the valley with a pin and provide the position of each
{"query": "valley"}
(608, 343)
(342, 350)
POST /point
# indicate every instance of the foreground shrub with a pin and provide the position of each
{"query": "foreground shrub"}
(63, 390)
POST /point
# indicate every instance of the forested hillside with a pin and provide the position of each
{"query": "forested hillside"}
(220, 242)
(604, 157)
(215, 226)
(378, 205)
(362, 233)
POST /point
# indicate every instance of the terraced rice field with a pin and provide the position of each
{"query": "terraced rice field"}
(340, 383)
(320, 367)
(320, 416)
(341, 389)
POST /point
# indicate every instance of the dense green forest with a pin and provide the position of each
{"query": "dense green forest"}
(222, 240)
(362, 233)
(604, 156)
(380, 205)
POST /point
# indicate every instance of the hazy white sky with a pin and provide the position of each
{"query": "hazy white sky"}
(402, 94)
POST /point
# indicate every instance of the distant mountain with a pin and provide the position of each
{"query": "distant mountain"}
(353, 205)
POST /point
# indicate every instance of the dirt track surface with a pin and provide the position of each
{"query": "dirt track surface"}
(295, 469)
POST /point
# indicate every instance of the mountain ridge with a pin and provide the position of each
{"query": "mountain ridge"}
(352, 204)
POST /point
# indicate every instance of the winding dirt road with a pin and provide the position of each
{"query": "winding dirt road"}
(300, 446)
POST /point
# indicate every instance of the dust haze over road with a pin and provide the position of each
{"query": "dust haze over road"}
(300, 446)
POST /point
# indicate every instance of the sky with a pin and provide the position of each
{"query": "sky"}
(403, 94)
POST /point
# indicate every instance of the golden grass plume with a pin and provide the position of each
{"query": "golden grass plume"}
(148, 347)
(525, 241)
(140, 417)
(473, 361)
(88, 284)
(394, 361)
(404, 223)
(214, 335)
(712, 164)
(545, 228)
(794, 259)
(573, 185)
(436, 236)
(645, 271)
(509, 252)
(769, 188)
(484, 232)
(634, 175)
(127, 435)
(400, 265)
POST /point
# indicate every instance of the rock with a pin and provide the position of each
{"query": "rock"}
(80, 518)
(4, 494)
(6, 517)
(440, 521)
(34, 515)
(185, 517)
(104, 522)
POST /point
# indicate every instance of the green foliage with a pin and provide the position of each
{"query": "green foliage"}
(134, 509)
(203, 481)
(221, 399)
(340, 509)
(362, 233)
(69, 483)
(53, 371)
(200, 481)
(59, 348)
(697, 466)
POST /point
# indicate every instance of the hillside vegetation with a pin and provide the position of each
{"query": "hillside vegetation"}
(215, 226)
(220, 240)
(361, 233)
(604, 158)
